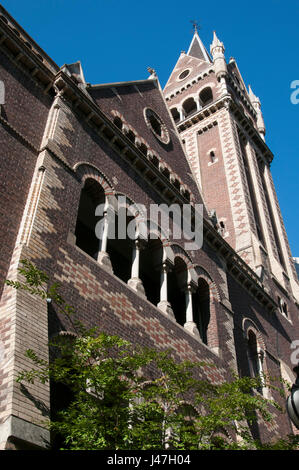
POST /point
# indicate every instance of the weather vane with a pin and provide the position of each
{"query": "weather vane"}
(195, 26)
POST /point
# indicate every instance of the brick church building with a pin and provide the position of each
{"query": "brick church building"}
(67, 146)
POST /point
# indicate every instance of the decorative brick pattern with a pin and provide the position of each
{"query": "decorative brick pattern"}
(60, 148)
(235, 182)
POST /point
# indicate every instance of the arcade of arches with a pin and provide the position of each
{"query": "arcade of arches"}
(192, 105)
(143, 263)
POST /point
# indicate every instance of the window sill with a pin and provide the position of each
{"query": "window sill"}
(213, 163)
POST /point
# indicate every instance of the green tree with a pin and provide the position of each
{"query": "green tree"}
(128, 397)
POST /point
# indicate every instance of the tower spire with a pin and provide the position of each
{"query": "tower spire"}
(255, 101)
(195, 25)
(197, 49)
(217, 50)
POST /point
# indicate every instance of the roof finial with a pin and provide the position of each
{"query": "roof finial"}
(152, 72)
(195, 26)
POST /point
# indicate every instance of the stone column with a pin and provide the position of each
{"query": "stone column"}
(190, 325)
(182, 114)
(260, 358)
(198, 105)
(164, 305)
(136, 283)
(223, 84)
(103, 257)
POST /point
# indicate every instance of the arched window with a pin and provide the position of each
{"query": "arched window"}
(221, 228)
(255, 357)
(201, 309)
(118, 122)
(143, 148)
(92, 195)
(252, 354)
(119, 245)
(114, 249)
(175, 114)
(177, 282)
(283, 308)
(184, 74)
(212, 156)
(189, 106)
(151, 257)
(131, 136)
(187, 415)
(206, 96)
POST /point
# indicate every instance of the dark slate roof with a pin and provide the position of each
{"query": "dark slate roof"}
(198, 50)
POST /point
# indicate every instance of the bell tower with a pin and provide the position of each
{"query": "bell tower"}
(222, 130)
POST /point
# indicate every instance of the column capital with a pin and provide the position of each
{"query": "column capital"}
(166, 266)
(139, 243)
(190, 288)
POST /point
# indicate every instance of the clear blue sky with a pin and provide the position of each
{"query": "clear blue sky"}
(116, 40)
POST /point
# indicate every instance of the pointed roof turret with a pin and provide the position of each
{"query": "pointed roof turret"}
(254, 99)
(216, 43)
(217, 50)
(257, 106)
(197, 49)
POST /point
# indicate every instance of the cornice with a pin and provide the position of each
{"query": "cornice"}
(121, 84)
(25, 57)
(241, 93)
(247, 126)
(17, 34)
(237, 267)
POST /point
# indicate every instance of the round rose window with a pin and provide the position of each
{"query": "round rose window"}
(156, 125)
(184, 74)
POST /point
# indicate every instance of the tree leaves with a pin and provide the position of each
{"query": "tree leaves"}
(125, 396)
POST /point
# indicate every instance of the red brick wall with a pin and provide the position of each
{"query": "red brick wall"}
(214, 180)
(24, 115)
